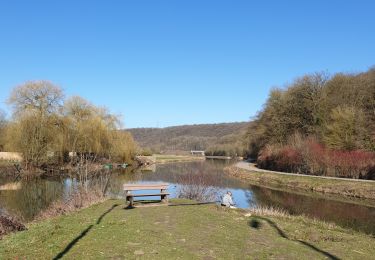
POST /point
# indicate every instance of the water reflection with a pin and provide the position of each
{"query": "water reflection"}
(345, 214)
(36, 195)
(33, 197)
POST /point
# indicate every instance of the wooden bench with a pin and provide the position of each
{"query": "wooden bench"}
(163, 187)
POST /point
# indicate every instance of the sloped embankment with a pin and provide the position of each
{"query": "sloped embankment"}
(334, 186)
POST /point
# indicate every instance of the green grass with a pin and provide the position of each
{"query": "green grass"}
(107, 230)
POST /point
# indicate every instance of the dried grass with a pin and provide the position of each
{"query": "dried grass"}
(267, 211)
(80, 198)
(9, 224)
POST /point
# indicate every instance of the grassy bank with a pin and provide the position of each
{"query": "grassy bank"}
(336, 187)
(164, 158)
(107, 230)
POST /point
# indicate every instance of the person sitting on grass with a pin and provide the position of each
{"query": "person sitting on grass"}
(228, 200)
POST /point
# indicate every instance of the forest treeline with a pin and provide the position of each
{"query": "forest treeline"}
(49, 129)
(218, 139)
(319, 124)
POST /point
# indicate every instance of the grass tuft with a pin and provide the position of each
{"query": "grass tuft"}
(268, 211)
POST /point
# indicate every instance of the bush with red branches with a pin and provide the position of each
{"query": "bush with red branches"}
(315, 159)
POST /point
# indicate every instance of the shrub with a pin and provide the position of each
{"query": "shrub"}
(352, 164)
(286, 158)
(9, 224)
(290, 159)
(199, 186)
(315, 159)
(145, 152)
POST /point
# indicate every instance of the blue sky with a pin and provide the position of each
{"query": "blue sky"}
(161, 63)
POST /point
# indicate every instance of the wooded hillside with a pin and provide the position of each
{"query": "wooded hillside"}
(224, 136)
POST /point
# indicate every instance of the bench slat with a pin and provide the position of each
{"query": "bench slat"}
(146, 195)
(155, 186)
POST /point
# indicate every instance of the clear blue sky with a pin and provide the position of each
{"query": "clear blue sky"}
(161, 63)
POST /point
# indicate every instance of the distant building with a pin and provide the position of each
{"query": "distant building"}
(72, 154)
(198, 153)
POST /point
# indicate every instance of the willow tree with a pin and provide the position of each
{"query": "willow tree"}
(45, 127)
(93, 131)
(35, 106)
(123, 148)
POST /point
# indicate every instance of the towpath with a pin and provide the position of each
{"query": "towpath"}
(252, 167)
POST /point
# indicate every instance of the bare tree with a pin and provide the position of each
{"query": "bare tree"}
(41, 96)
(35, 105)
(2, 129)
(198, 185)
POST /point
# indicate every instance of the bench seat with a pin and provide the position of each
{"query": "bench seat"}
(147, 195)
(162, 187)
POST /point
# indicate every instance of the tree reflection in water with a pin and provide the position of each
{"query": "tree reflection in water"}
(38, 194)
(351, 215)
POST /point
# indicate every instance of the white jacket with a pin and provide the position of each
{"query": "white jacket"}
(227, 200)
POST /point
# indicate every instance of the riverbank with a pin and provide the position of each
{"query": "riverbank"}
(17, 170)
(170, 158)
(334, 186)
(183, 230)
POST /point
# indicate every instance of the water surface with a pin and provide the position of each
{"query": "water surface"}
(33, 196)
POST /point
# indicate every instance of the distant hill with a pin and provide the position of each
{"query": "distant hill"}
(189, 137)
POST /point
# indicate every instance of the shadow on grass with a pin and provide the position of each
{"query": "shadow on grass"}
(254, 223)
(73, 242)
(143, 203)
(169, 205)
(83, 234)
(140, 202)
(191, 204)
(128, 207)
(105, 213)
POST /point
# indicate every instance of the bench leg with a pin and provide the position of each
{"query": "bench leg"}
(129, 198)
(131, 201)
(164, 198)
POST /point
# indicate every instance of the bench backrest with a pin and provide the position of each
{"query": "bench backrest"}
(147, 186)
